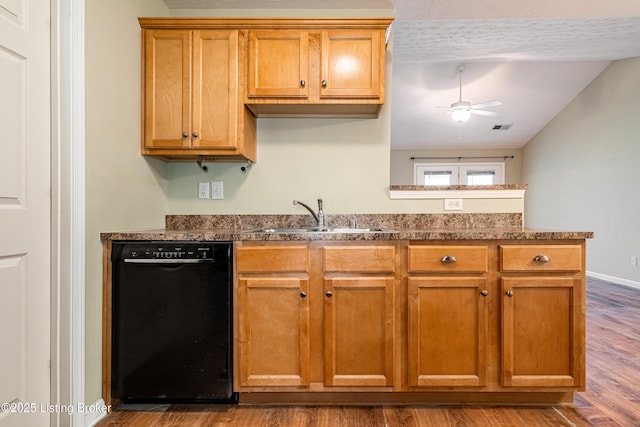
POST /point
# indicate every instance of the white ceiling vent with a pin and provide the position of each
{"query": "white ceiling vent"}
(505, 126)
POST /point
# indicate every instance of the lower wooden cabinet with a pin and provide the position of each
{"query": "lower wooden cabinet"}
(272, 339)
(411, 317)
(447, 331)
(274, 331)
(447, 315)
(542, 322)
(359, 314)
(540, 332)
(359, 331)
(315, 316)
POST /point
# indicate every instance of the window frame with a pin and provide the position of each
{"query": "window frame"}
(458, 171)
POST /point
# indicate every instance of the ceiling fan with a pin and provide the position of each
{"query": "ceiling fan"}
(461, 111)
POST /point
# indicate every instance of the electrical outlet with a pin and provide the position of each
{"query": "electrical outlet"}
(634, 261)
(452, 204)
(217, 192)
(203, 190)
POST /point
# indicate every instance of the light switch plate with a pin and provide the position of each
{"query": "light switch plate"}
(217, 191)
(452, 204)
(203, 190)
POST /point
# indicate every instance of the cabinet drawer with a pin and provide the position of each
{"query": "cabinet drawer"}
(460, 259)
(364, 259)
(257, 259)
(540, 258)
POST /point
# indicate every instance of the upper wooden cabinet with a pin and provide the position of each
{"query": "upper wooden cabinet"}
(278, 64)
(350, 64)
(205, 80)
(191, 96)
(333, 71)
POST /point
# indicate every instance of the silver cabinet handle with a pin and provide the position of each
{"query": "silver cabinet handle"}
(303, 294)
(324, 83)
(484, 292)
(329, 293)
(448, 258)
(541, 258)
(185, 134)
(195, 134)
(509, 293)
(303, 83)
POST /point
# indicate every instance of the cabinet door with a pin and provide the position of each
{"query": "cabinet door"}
(447, 331)
(359, 336)
(279, 64)
(167, 88)
(352, 64)
(274, 332)
(542, 332)
(215, 90)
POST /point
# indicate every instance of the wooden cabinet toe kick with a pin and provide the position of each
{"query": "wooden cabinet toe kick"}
(409, 398)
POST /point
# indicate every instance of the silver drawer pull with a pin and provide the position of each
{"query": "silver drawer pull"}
(448, 258)
(541, 258)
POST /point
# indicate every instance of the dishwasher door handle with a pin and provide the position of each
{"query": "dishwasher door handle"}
(166, 261)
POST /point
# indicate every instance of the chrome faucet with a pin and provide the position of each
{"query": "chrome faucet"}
(318, 217)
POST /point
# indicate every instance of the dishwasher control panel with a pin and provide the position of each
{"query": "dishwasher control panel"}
(167, 251)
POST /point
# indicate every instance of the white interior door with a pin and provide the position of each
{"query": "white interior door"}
(25, 203)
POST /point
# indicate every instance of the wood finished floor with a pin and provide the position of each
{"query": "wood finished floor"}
(612, 397)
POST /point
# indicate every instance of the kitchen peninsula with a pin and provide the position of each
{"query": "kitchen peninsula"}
(407, 308)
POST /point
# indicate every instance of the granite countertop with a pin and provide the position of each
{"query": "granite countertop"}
(507, 233)
(395, 227)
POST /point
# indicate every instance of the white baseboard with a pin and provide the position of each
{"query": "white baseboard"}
(616, 280)
(95, 412)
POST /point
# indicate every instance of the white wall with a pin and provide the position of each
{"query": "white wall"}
(583, 171)
(345, 162)
(124, 190)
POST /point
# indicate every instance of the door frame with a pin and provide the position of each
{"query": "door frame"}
(67, 210)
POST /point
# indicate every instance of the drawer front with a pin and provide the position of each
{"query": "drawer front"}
(258, 259)
(363, 259)
(460, 259)
(541, 258)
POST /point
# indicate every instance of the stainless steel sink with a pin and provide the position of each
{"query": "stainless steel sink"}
(286, 230)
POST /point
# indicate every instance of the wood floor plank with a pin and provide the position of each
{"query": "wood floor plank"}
(612, 397)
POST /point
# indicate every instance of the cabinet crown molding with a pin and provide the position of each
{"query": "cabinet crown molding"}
(266, 23)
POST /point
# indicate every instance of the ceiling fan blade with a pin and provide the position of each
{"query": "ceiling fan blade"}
(484, 113)
(486, 104)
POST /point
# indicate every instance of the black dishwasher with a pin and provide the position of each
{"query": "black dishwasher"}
(171, 322)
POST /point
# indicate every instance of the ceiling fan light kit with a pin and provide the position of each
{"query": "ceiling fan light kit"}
(461, 111)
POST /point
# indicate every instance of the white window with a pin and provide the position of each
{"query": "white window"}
(459, 173)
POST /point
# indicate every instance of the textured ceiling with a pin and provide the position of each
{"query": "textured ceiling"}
(558, 39)
(534, 57)
(535, 67)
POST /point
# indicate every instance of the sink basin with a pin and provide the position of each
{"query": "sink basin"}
(317, 230)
